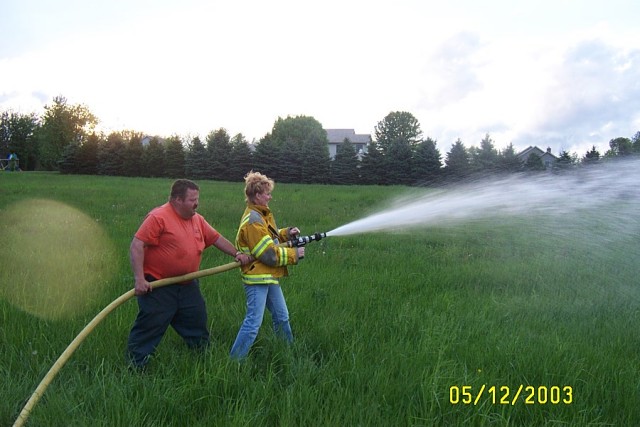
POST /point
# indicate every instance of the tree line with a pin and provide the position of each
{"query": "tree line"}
(296, 150)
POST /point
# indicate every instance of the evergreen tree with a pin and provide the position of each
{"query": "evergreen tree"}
(344, 167)
(218, 148)
(290, 167)
(399, 163)
(241, 159)
(133, 152)
(153, 159)
(69, 160)
(508, 161)
(111, 155)
(316, 160)
(565, 161)
(174, 158)
(196, 160)
(457, 161)
(591, 157)
(87, 156)
(427, 162)
(266, 156)
(372, 168)
(485, 158)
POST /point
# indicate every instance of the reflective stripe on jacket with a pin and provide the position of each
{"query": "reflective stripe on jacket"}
(258, 236)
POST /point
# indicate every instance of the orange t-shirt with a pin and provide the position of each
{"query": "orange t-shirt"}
(174, 245)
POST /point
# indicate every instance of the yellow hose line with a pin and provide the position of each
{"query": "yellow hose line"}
(22, 418)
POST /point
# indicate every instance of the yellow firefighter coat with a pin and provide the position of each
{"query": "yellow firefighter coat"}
(258, 236)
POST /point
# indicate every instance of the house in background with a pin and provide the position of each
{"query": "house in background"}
(337, 137)
(147, 139)
(548, 159)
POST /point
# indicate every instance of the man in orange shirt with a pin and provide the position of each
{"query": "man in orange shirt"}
(170, 243)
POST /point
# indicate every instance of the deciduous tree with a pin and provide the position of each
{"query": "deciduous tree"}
(635, 142)
(62, 124)
(17, 135)
(397, 136)
(304, 148)
(619, 147)
(397, 127)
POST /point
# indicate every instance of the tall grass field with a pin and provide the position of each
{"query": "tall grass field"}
(518, 321)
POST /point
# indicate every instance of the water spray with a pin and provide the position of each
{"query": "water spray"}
(593, 190)
(609, 193)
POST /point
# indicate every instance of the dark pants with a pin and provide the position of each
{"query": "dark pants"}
(181, 306)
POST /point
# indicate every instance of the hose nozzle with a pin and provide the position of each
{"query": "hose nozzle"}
(303, 240)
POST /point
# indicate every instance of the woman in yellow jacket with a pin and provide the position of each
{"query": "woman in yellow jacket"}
(258, 236)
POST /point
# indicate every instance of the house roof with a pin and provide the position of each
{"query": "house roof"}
(337, 136)
(147, 138)
(524, 154)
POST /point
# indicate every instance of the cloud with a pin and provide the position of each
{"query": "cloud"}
(463, 70)
(474, 84)
(568, 94)
(452, 74)
(594, 95)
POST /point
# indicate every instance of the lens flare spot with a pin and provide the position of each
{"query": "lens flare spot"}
(55, 259)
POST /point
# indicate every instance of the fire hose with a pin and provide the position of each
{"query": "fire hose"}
(71, 348)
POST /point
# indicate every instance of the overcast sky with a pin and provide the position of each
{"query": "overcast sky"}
(563, 74)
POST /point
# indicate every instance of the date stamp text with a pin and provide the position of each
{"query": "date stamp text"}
(505, 395)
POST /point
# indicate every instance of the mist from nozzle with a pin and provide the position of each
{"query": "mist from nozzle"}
(609, 192)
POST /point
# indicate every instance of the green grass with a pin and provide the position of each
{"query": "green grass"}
(385, 324)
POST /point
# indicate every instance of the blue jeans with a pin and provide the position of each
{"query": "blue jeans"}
(259, 297)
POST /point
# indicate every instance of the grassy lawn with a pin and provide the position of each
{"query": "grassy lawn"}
(443, 325)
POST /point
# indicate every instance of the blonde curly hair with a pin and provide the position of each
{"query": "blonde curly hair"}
(256, 183)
